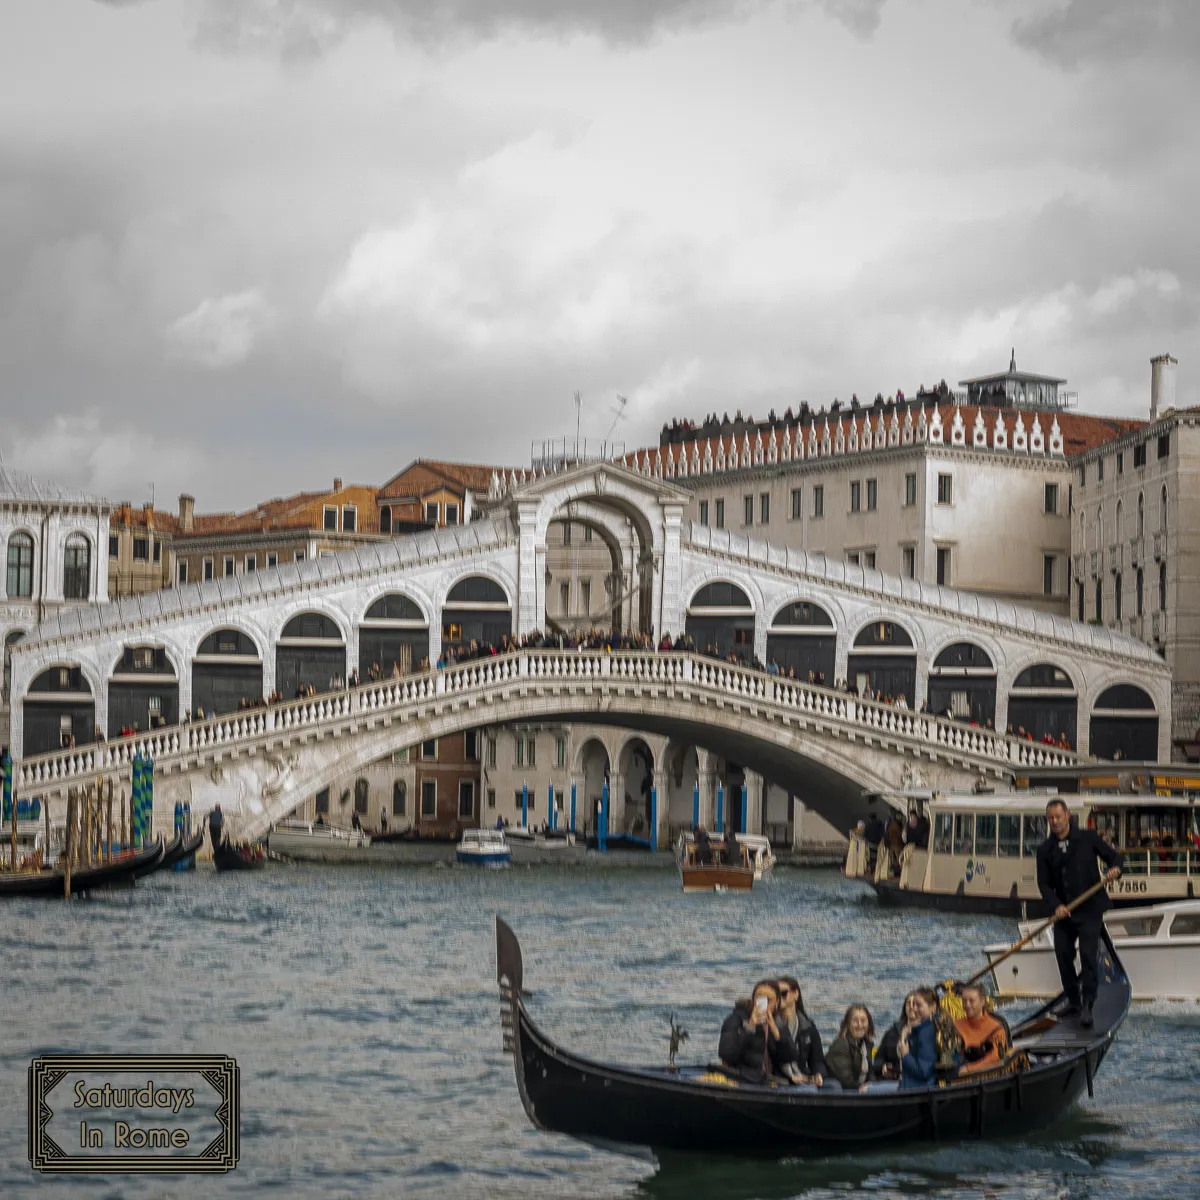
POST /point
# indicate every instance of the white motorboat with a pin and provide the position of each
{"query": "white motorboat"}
(305, 841)
(542, 846)
(484, 848)
(1159, 947)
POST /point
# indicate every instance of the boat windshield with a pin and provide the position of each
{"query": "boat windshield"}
(1186, 925)
(1146, 927)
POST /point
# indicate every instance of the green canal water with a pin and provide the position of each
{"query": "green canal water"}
(362, 1009)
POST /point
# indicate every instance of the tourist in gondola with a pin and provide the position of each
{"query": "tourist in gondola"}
(810, 1057)
(887, 1057)
(1066, 869)
(985, 1039)
(752, 1042)
(918, 1042)
(849, 1059)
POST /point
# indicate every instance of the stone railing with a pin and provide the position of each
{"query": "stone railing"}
(181, 747)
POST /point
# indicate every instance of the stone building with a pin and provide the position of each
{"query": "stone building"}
(429, 493)
(139, 550)
(54, 540)
(1136, 547)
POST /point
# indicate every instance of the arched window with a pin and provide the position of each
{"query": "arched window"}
(228, 642)
(399, 798)
(1044, 675)
(1162, 586)
(477, 589)
(312, 625)
(1117, 529)
(1162, 510)
(804, 613)
(20, 565)
(720, 595)
(394, 607)
(1140, 588)
(1141, 517)
(883, 633)
(77, 567)
(1099, 529)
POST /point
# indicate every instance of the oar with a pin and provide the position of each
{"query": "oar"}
(1029, 937)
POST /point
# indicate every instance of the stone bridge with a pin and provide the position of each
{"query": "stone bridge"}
(152, 662)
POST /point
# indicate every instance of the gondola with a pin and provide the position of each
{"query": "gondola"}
(233, 858)
(170, 853)
(122, 870)
(187, 856)
(708, 1110)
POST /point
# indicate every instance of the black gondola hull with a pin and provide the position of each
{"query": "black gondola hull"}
(84, 879)
(704, 1111)
(226, 858)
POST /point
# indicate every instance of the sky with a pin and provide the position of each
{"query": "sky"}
(248, 246)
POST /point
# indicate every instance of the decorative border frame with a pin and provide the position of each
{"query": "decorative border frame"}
(219, 1156)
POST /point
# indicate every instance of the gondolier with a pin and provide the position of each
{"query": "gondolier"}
(1066, 869)
(216, 822)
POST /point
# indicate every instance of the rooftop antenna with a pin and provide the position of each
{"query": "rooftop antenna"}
(578, 416)
(618, 413)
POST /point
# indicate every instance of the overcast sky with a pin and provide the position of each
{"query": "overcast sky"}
(249, 245)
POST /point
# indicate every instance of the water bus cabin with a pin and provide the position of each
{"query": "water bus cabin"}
(982, 851)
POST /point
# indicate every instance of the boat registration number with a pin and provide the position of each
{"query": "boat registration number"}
(1127, 887)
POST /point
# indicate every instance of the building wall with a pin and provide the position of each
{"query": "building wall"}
(142, 561)
(449, 765)
(381, 778)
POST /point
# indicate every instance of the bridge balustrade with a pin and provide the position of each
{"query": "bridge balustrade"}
(481, 676)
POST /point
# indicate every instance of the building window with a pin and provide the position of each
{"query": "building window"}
(703, 512)
(1164, 445)
(1099, 599)
(114, 545)
(943, 566)
(910, 562)
(818, 500)
(385, 519)
(141, 549)
(1079, 602)
(720, 514)
(471, 745)
(1100, 470)
(910, 489)
(855, 496)
(181, 571)
(298, 556)
(1047, 574)
(1052, 499)
(77, 567)
(869, 559)
(872, 494)
(322, 805)
(451, 514)
(491, 794)
(466, 799)
(207, 569)
(157, 550)
(560, 752)
(329, 518)
(748, 508)
(1083, 476)
(764, 508)
(564, 598)
(251, 562)
(272, 559)
(1139, 456)
(429, 750)
(945, 489)
(520, 752)
(797, 503)
(566, 533)
(1140, 585)
(431, 512)
(852, 557)
(531, 753)
(399, 798)
(1162, 586)
(585, 597)
(1120, 462)
(587, 533)
(1117, 589)
(228, 566)
(20, 566)
(428, 798)
(349, 518)
(491, 752)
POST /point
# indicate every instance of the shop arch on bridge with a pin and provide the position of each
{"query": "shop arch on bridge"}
(59, 710)
(393, 635)
(1124, 724)
(962, 682)
(143, 690)
(1044, 703)
(310, 653)
(476, 609)
(720, 620)
(803, 638)
(884, 658)
(227, 672)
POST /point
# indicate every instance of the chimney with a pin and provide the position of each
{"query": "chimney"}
(337, 485)
(1162, 384)
(187, 508)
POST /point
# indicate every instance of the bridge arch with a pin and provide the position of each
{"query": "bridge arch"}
(593, 769)
(310, 653)
(477, 606)
(143, 689)
(60, 707)
(721, 616)
(1043, 701)
(635, 777)
(618, 602)
(803, 637)
(393, 634)
(1124, 724)
(883, 657)
(962, 681)
(227, 671)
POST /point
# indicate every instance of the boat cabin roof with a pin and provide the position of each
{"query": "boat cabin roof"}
(1019, 802)
(486, 837)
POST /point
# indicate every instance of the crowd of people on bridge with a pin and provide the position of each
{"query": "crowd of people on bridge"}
(771, 1038)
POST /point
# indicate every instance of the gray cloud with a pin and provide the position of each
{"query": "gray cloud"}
(1080, 32)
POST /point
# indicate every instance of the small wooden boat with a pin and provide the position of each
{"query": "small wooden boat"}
(710, 1110)
(726, 872)
(121, 870)
(227, 857)
(1160, 948)
(484, 848)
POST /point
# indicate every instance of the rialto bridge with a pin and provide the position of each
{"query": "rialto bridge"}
(153, 661)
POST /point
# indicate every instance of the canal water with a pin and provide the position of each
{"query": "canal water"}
(361, 1006)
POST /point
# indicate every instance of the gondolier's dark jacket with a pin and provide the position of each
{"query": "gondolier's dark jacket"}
(1065, 875)
(742, 1048)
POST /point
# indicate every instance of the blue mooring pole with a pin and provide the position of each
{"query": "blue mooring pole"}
(696, 805)
(550, 805)
(602, 832)
(572, 808)
(720, 807)
(743, 829)
(524, 806)
(653, 819)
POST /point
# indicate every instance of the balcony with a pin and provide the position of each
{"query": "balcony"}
(1114, 557)
(1137, 550)
(1160, 546)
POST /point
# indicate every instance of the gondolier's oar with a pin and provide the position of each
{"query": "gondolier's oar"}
(1029, 937)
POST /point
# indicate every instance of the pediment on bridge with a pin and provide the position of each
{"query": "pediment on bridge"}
(602, 476)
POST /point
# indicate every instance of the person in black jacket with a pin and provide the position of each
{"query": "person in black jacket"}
(810, 1055)
(1066, 869)
(752, 1042)
(887, 1056)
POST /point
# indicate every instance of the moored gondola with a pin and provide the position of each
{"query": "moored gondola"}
(170, 853)
(121, 870)
(707, 1110)
(239, 858)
